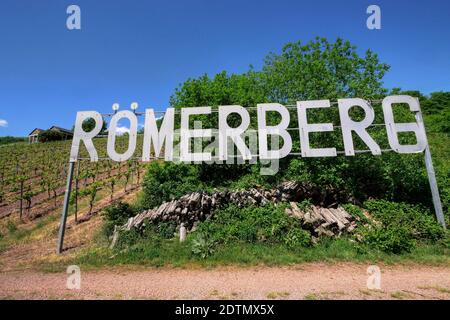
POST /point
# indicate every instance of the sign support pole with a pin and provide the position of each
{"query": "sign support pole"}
(62, 225)
(434, 187)
(432, 177)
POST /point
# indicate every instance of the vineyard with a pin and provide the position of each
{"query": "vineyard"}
(33, 177)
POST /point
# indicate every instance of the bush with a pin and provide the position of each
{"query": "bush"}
(162, 230)
(251, 224)
(419, 221)
(128, 238)
(117, 214)
(203, 246)
(401, 225)
(297, 237)
(51, 135)
(445, 241)
(165, 181)
(9, 139)
(356, 212)
(391, 240)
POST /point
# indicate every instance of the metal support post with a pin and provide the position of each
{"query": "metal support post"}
(62, 225)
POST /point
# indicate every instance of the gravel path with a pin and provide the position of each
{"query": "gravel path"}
(305, 281)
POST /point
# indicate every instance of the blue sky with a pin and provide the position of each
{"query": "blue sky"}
(136, 50)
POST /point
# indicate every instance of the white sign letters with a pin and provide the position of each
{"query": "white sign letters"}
(164, 136)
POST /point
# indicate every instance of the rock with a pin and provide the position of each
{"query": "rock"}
(195, 207)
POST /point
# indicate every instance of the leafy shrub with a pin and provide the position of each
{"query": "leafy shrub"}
(267, 223)
(304, 204)
(166, 181)
(356, 212)
(148, 232)
(419, 221)
(445, 241)
(391, 240)
(116, 214)
(128, 238)
(297, 237)
(401, 226)
(9, 139)
(203, 246)
(51, 135)
(166, 229)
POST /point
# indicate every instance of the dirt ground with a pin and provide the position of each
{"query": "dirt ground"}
(40, 246)
(305, 281)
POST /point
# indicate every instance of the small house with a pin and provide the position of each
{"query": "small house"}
(34, 135)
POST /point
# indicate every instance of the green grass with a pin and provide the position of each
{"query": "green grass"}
(437, 288)
(400, 295)
(174, 254)
(275, 295)
(311, 296)
(19, 233)
(3, 246)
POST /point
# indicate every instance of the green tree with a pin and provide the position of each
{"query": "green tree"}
(9, 139)
(89, 125)
(322, 70)
(51, 135)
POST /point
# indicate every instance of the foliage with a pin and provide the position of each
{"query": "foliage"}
(165, 181)
(175, 254)
(149, 232)
(51, 135)
(128, 238)
(203, 246)
(399, 226)
(158, 231)
(418, 221)
(320, 69)
(8, 140)
(393, 239)
(117, 214)
(89, 125)
(296, 238)
(356, 212)
(267, 223)
(166, 229)
(445, 241)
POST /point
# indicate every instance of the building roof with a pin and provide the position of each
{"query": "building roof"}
(61, 129)
(52, 128)
(35, 129)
